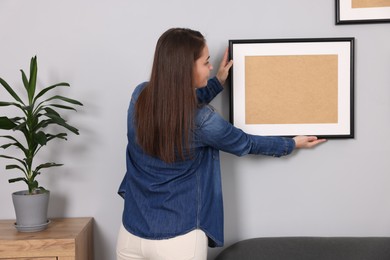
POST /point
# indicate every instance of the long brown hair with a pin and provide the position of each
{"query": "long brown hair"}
(165, 109)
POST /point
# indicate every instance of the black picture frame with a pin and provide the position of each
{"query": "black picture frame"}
(249, 98)
(350, 12)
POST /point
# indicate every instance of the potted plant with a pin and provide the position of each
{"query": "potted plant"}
(30, 132)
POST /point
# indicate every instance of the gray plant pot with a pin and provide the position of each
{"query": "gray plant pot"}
(31, 210)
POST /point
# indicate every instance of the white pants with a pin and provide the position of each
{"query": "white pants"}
(191, 246)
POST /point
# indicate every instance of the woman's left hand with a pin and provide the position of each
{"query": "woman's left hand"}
(223, 71)
(303, 141)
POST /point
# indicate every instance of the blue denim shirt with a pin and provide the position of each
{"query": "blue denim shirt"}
(166, 200)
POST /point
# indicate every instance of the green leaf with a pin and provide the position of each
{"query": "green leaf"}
(13, 158)
(9, 137)
(32, 186)
(42, 92)
(10, 90)
(60, 136)
(35, 173)
(24, 79)
(42, 189)
(40, 138)
(33, 79)
(60, 121)
(16, 180)
(56, 118)
(47, 165)
(4, 104)
(5, 146)
(18, 120)
(43, 124)
(6, 123)
(14, 166)
(69, 100)
(51, 111)
(62, 106)
(21, 127)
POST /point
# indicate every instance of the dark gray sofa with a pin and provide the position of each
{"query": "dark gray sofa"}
(309, 248)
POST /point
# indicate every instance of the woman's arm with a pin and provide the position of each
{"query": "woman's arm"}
(215, 85)
(208, 93)
(222, 135)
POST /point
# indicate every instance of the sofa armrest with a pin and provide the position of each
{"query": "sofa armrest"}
(309, 248)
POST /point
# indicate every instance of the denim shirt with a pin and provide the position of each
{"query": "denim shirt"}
(164, 200)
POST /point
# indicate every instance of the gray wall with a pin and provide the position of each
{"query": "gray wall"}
(103, 48)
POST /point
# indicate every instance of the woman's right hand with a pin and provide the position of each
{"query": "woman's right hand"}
(224, 66)
(303, 141)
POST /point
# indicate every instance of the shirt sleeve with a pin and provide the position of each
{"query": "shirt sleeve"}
(208, 93)
(222, 135)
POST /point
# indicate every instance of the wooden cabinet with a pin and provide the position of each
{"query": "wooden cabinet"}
(64, 239)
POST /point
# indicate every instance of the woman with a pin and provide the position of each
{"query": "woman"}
(172, 187)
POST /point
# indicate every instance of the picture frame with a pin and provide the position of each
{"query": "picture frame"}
(289, 87)
(362, 11)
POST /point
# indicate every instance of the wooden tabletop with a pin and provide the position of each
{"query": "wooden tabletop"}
(64, 238)
(58, 228)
